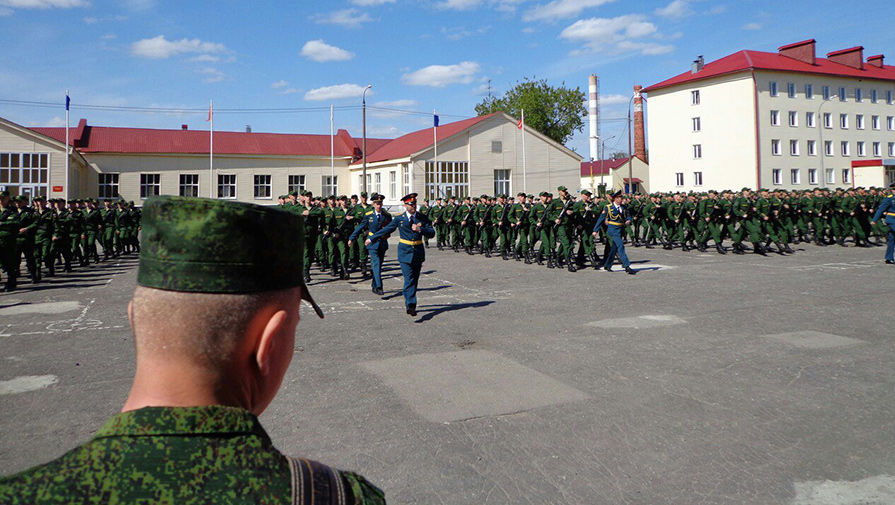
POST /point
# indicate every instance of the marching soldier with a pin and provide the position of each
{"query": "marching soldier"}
(886, 211)
(373, 221)
(616, 218)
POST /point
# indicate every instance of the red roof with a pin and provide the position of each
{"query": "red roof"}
(759, 60)
(607, 166)
(102, 139)
(414, 142)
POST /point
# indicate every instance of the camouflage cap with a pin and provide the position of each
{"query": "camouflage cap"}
(562, 188)
(586, 192)
(202, 245)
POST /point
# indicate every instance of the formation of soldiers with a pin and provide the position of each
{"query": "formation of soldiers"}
(54, 233)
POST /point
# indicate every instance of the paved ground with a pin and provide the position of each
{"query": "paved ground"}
(703, 379)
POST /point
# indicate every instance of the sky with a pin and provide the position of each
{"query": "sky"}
(279, 66)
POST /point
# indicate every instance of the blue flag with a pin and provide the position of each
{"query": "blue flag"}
(67, 102)
(436, 120)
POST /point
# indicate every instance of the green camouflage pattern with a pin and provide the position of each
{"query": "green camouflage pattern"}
(204, 245)
(167, 455)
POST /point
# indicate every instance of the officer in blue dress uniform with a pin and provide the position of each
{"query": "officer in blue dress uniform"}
(887, 210)
(615, 215)
(412, 227)
(373, 221)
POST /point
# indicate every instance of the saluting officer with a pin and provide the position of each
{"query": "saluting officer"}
(372, 222)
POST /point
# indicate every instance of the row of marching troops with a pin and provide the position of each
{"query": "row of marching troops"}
(50, 233)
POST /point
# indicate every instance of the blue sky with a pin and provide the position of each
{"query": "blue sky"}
(419, 56)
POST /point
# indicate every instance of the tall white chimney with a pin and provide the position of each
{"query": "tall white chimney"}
(592, 111)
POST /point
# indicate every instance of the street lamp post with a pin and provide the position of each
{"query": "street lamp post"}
(364, 147)
(823, 151)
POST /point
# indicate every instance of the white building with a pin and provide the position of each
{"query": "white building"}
(630, 175)
(477, 155)
(777, 120)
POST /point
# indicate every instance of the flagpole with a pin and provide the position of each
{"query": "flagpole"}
(524, 180)
(332, 150)
(435, 145)
(211, 149)
(67, 151)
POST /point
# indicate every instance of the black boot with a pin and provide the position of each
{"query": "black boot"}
(788, 249)
(720, 249)
(550, 263)
(630, 271)
(307, 275)
(539, 258)
(527, 258)
(701, 246)
(503, 255)
(344, 276)
(571, 265)
(758, 249)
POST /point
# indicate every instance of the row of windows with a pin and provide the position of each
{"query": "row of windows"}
(827, 93)
(860, 123)
(151, 184)
(679, 179)
(844, 148)
(795, 176)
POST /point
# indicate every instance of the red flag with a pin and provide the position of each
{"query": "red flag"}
(519, 124)
(209, 112)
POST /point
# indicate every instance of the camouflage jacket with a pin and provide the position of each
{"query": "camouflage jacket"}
(211, 454)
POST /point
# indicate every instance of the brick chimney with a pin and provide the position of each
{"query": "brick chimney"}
(802, 51)
(875, 60)
(639, 137)
(851, 57)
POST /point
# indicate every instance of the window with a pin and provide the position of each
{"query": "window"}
(794, 147)
(812, 176)
(377, 182)
(226, 185)
(843, 94)
(831, 176)
(890, 123)
(889, 97)
(777, 176)
(189, 185)
(697, 178)
(809, 120)
(694, 97)
(369, 181)
(874, 96)
(697, 151)
(697, 125)
(679, 179)
(862, 151)
(843, 121)
(24, 173)
(108, 186)
(262, 187)
(843, 148)
(502, 182)
(891, 149)
(877, 149)
(859, 121)
(828, 120)
(331, 185)
(795, 176)
(775, 118)
(297, 183)
(775, 147)
(859, 95)
(828, 147)
(812, 148)
(406, 176)
(449, 178)
(791, 89)
(846, 176)
(150, 185)
(793, 118)
(393, 184)
(874, 122)
(809, 92)
(496, 146)
(826, 92)
(772, 88)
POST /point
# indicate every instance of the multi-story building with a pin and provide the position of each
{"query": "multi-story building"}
(775, 120)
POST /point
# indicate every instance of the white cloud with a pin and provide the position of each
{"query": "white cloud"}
(459, 5)
(370, 3)
(614, 35)
(160, 47)
(43, 4)
(336, 92)
(206, 58)
(348, 18)
(752, 26)
(279, 84)
(676, 9)
(212, 74)
(439, 76)
(608, 100)
(5, 12)
(320, 51)
(560, 9)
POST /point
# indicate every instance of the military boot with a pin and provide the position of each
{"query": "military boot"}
(539, 258)
(757, 248)
(720, 249)
(571, 264)
(550, 263)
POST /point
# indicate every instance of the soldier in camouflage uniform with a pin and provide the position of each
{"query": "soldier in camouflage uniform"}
(9, 230)
(518, 219)
(61, 245)
(201, 441)
(25, 238)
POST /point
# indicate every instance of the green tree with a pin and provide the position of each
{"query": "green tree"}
(557, 112)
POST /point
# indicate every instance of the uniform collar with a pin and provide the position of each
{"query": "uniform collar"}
(160, 421)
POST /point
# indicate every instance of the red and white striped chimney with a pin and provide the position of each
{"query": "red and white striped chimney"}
(639, 136)
(592, 113)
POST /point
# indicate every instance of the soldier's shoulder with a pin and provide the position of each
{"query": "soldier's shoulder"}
(363, 491)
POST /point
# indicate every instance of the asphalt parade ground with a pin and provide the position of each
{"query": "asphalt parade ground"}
(703, 379)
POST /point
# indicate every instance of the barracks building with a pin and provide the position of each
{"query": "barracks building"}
(474, 156)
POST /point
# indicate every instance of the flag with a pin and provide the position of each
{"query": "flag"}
(210, 113)
(436, 120)
(520, 124)
(67, 101)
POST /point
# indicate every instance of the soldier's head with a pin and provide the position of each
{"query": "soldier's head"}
(563, 192)
(409, 202)
(217, 302)
(4, 198)
(377, 202)
(353, 199)
(363, 197)
(585, 196)
(39, 202)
